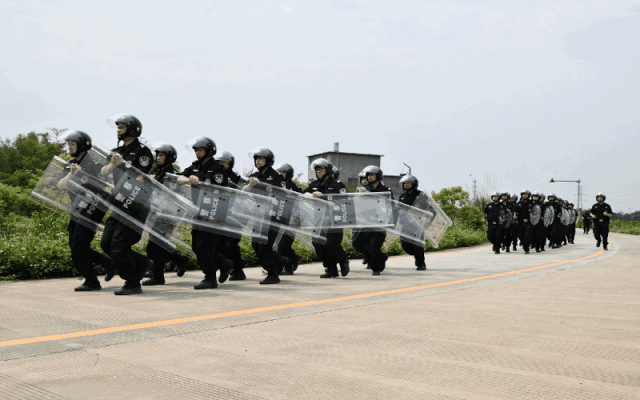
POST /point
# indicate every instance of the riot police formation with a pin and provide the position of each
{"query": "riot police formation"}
(530, 221)
(601, 212)
(81, 235)
(331, 253)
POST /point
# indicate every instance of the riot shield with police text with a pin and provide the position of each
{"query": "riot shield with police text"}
(565, 217)
(363, 211)
(411, 223)
(293, 213)
(53, 191)
(549, 215)
(441, 222)
(225, 211)
(535, 214)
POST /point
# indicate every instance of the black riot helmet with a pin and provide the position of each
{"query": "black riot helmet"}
(526, 191)
(542, 198)
(514, 197)
(571, 205)
(362, 178)
(205, 143)
(322, 163)
(133, 124)
(262, 152)
(409, 179)
(496, 195)
(284, 168)
(601, 195)
(170, 153)
(536, 193)
(505, 193)
(335, 173)
(373, 170)
(550, 196)
(565, 203)
(226, 157)
(558, 200)
(82, 140)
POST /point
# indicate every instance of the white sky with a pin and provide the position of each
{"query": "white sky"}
(510, 92)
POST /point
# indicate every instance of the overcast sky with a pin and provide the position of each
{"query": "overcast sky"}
(507, 92)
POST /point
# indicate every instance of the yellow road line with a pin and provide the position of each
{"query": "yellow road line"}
(49, 338)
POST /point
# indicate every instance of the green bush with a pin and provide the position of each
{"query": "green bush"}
(472, 217)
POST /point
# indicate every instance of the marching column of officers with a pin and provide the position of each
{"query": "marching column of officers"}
(217, 256)
(510, 221)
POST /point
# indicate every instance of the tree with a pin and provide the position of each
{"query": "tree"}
(30, 152)
(451, 199)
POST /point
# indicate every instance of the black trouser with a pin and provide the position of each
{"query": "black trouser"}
(514, 233)
(370, 244)
(413, 249)
(229, 247)
(266, 256)
(601, 231)
(525, 232)
(331, 253)
(539, 235)
(507, 236)
(587, 225)
(572, 232)
(284, 248)
(205, 245)
(82, 254)
(494, 234)
(160, 256)
(117, 240)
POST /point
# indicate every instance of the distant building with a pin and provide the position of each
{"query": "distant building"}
(350, 165)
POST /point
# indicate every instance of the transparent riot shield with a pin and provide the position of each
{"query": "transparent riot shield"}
(441, 221)
(411, 223)
(535, 214)
(565, 217)
(574, 216)
(292, 213)
(81, 209)
(505, 217)
(135, 199)
(363, 211)
(223, 210)
(549, 215)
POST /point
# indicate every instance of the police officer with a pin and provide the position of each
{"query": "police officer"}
(507, 238)
(270, 260)
(80, 236)
(409, 184)
(557, 228)
(513, 229)
(117, 237)
(539, 237)
(370, 243)
(286, 241)
(491, 215)
(601, 212)
(586, 221)
(331, 253)
(522, 214)
(572, 229)
(567, 228)
(204, 244)
(166, 155)
(230, 246)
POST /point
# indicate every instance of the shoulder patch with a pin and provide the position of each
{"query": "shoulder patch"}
(284, 184)
(219, 178)
(343, 190)
(144, 161)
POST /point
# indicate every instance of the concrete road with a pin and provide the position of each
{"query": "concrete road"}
(561, 324)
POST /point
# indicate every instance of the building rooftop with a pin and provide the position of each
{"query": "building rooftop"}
(343, 152)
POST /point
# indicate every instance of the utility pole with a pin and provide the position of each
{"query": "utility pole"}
(579, 190)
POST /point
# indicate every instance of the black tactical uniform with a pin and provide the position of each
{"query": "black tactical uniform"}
(540, 231)
(586, 221)
(205, 244)
(557, 228)
(331, 253)
(230, 246)
(80, 237)
(408, 198)
(117, 237)
(513, 229)
(286, 241)
(525, 228)
(270, 260)
(601, 223)
(494, 228)
(156, 253)
(370, 243)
